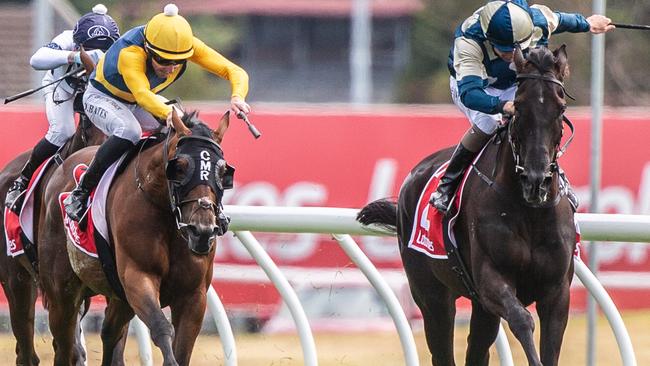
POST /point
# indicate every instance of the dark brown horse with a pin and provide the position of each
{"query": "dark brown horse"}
(16, 273)
(516, 236)
(164, 213)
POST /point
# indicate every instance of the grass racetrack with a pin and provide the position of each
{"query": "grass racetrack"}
(377, 349)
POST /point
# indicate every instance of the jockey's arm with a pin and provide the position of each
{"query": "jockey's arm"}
(53, 54)
(471, 78)
(131, 64)
(217, 64)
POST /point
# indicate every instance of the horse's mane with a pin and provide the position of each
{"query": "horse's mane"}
(542, 58)
(192, 121)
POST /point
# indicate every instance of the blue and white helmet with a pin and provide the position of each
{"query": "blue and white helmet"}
(96, 30)
(506, 23)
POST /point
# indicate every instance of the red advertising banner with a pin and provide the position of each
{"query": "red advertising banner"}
(335, 156)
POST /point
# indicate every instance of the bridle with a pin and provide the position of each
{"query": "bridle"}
(559, 151)
(203, 203)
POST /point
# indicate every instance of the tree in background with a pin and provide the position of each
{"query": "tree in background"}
(627, 81)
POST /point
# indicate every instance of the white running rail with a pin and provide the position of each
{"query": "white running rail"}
(341, 223)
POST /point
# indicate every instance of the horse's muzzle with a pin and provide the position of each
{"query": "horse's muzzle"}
(201, 238)
(536, 188)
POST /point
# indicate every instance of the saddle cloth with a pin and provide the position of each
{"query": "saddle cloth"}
(19, 228)
(83, 236)
(429, 232)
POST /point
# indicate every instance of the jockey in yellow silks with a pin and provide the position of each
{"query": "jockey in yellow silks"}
(122, 101)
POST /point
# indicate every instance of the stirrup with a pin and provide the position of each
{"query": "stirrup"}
(75, 207)
(439, 202)
(15, 191)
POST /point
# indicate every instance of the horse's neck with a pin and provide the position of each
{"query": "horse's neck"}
(505, 170)
(150, 172)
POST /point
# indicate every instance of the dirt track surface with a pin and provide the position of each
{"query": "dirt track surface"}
(367, 349)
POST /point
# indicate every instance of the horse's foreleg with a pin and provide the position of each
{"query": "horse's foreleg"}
(143, 293)
(114, 327)
(21, 295)
(553, 311)
(498, 297)
(187, 317)
(483, 331)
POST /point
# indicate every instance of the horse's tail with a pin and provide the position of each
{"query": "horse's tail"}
(382, 212)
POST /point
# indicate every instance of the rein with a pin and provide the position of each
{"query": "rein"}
(552, 167)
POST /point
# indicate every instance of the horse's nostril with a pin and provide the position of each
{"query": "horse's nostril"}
(193, 229)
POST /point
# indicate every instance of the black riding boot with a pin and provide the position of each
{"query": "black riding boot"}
(111, 150)
(43, 150)
(443, 196)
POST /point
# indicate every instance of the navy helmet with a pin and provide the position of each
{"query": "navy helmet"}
(96, 30)
(506, 24)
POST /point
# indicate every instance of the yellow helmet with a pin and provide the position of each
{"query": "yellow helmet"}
(169, 35)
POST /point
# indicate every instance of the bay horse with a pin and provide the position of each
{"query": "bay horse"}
(163, 213)
(17, 274)
(515, 230)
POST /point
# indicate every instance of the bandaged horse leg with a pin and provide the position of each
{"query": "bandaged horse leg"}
(470, 145)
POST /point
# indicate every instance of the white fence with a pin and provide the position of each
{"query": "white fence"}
(341, 223)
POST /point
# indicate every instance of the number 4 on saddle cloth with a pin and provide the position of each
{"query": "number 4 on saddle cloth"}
(433, 232)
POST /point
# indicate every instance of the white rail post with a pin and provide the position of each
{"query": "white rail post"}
(223, 326)
(286, 291)
(607, 305)
(144, 341)
(503, 348)
(401, 323)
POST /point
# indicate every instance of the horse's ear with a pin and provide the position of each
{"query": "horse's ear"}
(561, 62)
(518, 58)
(178, 124)
(221, 129)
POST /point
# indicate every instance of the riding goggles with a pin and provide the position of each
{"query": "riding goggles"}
(163, 61)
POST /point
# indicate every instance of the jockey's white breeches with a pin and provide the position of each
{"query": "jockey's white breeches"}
(60, 117)
(487, 123)
(115, 118)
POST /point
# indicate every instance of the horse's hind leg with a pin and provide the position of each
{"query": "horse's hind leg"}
(63, 325)
(437, 305)
(21, 295)
(187, 317)
(483, 330)
(553, 311)
(114, 331)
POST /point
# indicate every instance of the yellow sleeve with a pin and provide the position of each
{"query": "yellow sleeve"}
(132, 64)
(214, 62)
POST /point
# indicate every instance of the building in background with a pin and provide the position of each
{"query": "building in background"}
(299, 50)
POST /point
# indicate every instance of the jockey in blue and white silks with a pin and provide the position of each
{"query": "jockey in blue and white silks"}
(483, 78)
(95, 31)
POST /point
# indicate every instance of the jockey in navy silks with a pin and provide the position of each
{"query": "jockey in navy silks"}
(483, 78)
(95, 32)
(122, 97)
